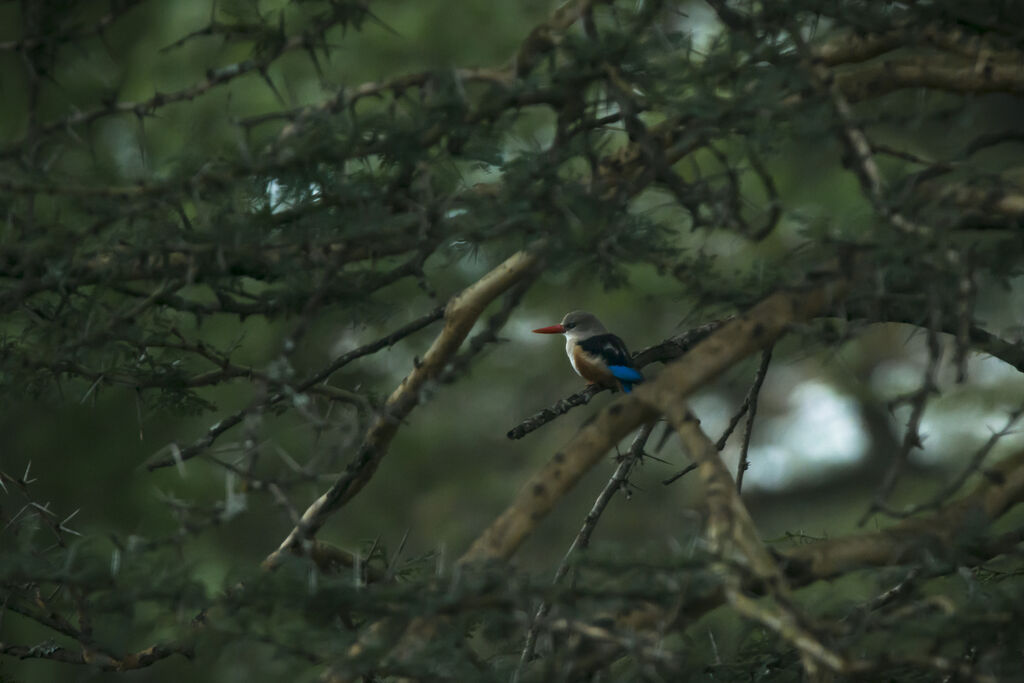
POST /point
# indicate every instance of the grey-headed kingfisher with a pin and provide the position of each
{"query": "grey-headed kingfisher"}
(597, 355)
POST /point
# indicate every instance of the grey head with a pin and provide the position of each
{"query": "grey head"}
(580, 325)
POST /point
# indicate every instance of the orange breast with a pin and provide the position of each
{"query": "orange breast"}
(593, 369)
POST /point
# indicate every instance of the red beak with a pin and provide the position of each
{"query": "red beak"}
(551, 329)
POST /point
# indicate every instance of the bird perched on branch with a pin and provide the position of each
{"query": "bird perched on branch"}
(596, 355)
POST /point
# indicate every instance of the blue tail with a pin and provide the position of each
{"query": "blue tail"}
(627, 376)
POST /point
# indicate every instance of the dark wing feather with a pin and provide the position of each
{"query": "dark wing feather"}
(608, 348)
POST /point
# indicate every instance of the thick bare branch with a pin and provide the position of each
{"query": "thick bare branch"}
(460, 315)
(731, 528)
(729, 522)
(885, 76)
(733, 341)
(857, 47)
(954, 526)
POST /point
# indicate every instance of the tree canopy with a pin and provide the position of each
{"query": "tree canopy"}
(271, 405)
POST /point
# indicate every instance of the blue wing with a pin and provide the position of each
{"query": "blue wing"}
(626, 376)
(623, 373)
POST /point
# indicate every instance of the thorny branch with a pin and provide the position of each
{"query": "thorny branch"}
(27, 599)
(115, 282)
(179, 455)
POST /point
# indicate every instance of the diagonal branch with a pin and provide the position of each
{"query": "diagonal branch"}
(460, 315)
(733, 341)
(750, 405)
(730, 525)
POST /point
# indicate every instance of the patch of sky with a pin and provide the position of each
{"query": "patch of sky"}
(820, 430)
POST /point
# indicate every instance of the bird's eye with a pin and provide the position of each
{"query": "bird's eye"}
(569, 326)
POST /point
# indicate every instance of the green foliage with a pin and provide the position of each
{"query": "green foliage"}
(226, 224)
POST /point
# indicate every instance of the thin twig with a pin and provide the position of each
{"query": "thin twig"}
(618, 479)
(207, 440)
(954, 485)
(686, 470)
(919, 400)
(755, 390)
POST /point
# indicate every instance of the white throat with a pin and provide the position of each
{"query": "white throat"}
(570, 341)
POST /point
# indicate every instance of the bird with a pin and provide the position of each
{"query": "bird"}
(596, 354)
